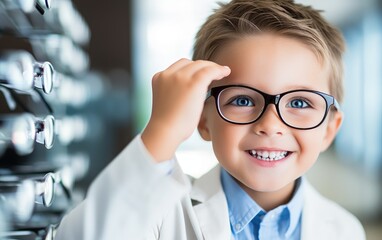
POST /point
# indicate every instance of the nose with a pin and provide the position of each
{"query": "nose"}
(270, 123)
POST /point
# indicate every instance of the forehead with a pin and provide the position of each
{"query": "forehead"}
(272, 63)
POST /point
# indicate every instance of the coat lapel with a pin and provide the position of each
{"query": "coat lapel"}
(316, 221)
(210, 206)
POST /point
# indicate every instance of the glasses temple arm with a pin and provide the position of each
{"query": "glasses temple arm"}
(337, 105)
(209, 94)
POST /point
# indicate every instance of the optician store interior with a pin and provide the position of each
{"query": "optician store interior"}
(75, 88)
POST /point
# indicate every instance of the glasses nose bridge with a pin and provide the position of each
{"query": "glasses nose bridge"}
(271, 99)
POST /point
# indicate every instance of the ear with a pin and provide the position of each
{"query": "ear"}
(203, 127)
(332, 128)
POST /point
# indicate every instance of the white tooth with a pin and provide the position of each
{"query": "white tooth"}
(268, 156)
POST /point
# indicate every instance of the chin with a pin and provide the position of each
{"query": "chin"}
(265, 185)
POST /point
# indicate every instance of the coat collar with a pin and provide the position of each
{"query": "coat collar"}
(211, 206)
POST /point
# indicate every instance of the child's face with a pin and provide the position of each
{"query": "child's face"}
(272, 64)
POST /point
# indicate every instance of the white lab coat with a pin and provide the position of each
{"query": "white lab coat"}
(133, 199)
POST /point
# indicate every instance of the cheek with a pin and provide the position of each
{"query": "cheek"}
(222, 136)
(225, 140)
(310, 142)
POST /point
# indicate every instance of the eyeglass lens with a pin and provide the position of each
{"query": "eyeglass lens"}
(300, 109)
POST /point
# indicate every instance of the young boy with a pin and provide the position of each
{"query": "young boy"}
(272, 72)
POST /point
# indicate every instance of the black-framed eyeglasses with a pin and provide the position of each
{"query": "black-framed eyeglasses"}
(300, 109)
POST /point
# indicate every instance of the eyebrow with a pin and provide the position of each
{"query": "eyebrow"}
(289, 88)
(294, 87)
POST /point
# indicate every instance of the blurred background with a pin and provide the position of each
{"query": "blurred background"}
(89, 65)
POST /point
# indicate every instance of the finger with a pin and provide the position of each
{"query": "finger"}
(156, 75)
(176, 66)
(201, 68)
(210, 73)
(172, 68)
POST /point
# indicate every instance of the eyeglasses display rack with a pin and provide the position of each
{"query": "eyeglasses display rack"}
(44, 74)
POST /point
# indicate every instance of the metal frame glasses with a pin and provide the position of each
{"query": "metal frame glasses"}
(264, 99)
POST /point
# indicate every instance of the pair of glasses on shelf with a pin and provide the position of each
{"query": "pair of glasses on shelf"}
(21, 72)
(18, 194)
(21, 131)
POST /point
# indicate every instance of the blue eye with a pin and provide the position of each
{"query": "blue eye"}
(298, 103)
(242, 102)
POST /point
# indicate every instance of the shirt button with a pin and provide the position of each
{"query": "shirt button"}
(237, 226)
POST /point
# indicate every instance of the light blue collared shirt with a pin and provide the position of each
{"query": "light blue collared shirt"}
(250, 222)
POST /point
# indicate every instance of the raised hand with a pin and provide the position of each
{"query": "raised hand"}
(178, 98)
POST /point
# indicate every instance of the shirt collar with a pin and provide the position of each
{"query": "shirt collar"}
(295, 205)
(242, 208)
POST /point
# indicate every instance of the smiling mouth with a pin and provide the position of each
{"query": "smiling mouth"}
(269, 155)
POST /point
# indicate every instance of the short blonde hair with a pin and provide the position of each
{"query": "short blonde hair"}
(284, 17)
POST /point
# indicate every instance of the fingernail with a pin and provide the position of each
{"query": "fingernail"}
(228, 68)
